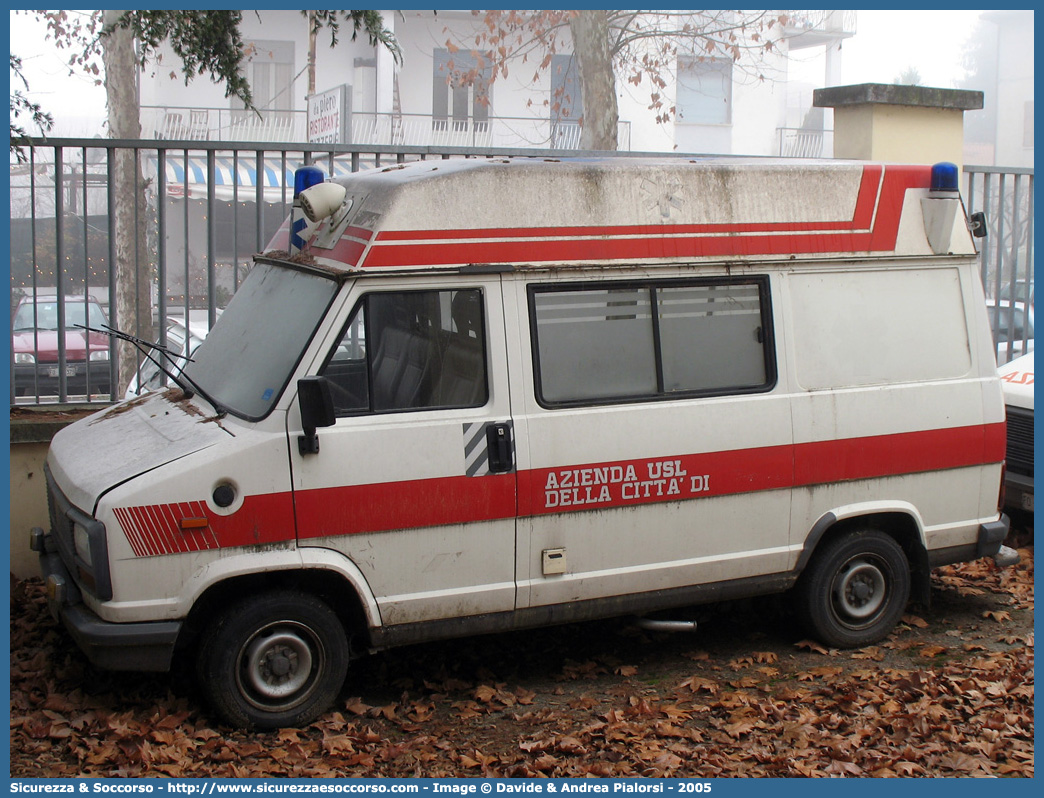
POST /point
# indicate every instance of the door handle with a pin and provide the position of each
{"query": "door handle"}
(498, 445)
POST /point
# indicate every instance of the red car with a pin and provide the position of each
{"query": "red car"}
(37, 370)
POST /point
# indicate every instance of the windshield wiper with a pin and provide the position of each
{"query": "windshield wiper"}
(183, 381)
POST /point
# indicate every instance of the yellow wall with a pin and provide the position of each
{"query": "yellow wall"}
(899, 134)
(28, 505)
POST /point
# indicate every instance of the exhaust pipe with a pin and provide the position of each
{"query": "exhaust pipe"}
(666, 626)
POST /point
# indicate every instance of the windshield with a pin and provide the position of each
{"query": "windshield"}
(248, 358)
(87, 314)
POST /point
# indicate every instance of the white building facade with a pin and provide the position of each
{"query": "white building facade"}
(721, 106)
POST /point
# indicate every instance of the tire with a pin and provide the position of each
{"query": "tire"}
(274, 660)
(855, 589)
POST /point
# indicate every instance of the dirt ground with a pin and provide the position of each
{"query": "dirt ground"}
(949, 693)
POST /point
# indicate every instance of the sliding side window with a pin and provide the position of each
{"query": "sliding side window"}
(614, 343)
(410, 350)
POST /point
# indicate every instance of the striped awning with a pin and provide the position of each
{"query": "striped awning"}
(233, 177)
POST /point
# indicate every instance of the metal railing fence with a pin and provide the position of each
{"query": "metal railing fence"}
(196, 212)
(1005, 195)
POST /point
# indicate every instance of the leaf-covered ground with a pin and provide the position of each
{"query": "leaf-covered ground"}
(950, 693)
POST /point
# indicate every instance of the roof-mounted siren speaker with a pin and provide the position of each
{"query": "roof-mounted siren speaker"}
(939, 208)
(326, 208)
(322, 201)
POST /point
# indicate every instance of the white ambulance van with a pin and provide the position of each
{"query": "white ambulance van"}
(495, 394)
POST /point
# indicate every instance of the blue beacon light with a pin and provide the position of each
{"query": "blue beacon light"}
(304, 177)
(945, 177)
(308, 176)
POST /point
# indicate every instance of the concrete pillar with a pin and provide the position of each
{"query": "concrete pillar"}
(898, 124)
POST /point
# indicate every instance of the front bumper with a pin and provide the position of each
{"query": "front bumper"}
(147, 646)
(81, 378)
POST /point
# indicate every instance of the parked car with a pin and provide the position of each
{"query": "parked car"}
(1012, 327)
(1017, 383)
(182, 338)
(35, 345)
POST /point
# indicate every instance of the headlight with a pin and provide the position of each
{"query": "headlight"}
(100, 354)
(25, 357)
(83, 545)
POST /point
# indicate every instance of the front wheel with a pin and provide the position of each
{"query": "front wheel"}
(273, 660)
(855, 589)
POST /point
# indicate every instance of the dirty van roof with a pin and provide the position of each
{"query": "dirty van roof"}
(399, 214)
(583, 167)
(546, 193)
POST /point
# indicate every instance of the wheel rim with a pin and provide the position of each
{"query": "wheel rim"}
(860, 591)
(280, 665)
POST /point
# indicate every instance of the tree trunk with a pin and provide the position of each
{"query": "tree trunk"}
(133, 305)
(311, 53)
(590, 31)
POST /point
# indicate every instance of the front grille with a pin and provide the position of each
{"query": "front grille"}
(1020, 441)
(57, 507)
(64, 517)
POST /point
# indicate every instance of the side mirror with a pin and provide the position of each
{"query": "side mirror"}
(317, 410)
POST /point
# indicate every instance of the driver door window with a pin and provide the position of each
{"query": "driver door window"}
(410, 350)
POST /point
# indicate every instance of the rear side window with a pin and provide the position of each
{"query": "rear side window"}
(607, 343)
(410, 350)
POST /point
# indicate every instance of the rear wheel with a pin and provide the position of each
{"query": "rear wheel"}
(855, 589)
(274, 660)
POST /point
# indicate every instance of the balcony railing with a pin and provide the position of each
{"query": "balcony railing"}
(822, 21)
(172, 123)
(179, 123)
(805, 143)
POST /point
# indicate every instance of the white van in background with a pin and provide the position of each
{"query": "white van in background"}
(479, 395)
(1017, 383)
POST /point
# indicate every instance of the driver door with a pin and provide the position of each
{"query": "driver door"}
(415, 483)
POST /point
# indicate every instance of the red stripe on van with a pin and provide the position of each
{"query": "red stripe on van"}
(404, 505)
(411, 504)
(874, 226)
(349, 248)
(347, 251)
(903, 453)
(751, 470)
(156, 529)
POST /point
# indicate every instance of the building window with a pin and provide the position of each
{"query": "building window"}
(704, 91)
(603, 344)
(269, 69)
(460, 91)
